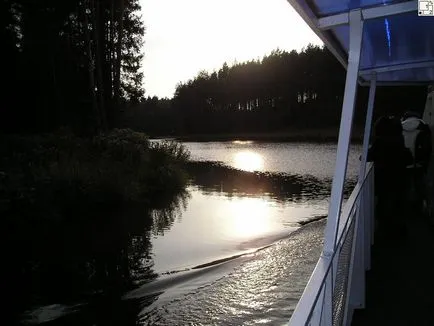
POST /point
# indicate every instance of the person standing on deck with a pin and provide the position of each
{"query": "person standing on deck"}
(390, 156)
(417, 136)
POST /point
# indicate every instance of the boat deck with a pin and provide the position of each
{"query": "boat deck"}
(400, 284)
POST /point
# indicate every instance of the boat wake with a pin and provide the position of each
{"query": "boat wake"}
(161, 292)
(179, 281)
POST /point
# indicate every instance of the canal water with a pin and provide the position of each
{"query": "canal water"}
(231, 249)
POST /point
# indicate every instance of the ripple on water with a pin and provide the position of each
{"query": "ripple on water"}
(263, 290)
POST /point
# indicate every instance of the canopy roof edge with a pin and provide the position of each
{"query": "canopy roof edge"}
(398, 45)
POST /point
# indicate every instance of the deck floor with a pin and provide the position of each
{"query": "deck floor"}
(400, 284)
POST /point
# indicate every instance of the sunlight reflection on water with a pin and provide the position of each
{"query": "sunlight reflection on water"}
(224, 213)
(242, 142)
(248, 161)
(292, 158)
(262, 290)
(215, 226)
(249, 217)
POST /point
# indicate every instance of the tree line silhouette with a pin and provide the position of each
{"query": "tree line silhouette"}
(76, 63)
(283, 91)
(69, 63)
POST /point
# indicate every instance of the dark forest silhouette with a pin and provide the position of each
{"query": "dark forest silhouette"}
(69, 63)
(77, 208)
(76, 63)
(283, 91)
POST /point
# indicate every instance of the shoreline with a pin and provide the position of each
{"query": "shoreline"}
(319, 136)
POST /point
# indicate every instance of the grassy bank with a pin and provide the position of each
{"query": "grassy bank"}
(306, 135)
(54, 175)
(75, 211)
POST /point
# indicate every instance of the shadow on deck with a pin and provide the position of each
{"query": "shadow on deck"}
(400, 284)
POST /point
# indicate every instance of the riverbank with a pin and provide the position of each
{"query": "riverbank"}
(75, 208)
(60, 172)
(306, 135)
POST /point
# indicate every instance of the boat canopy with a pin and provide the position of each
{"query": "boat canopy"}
(397, 43)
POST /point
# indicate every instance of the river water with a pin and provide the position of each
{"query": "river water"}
(231, 249)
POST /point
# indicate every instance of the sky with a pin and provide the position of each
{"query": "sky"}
(184, 37)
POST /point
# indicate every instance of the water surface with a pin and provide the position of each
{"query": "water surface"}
(316, 159)
(229, 250)
(233, 211)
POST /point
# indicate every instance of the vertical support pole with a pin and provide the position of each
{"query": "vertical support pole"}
(356, 39)
(367, 223)
(356, 281)
(356, 34)
(327, 313)
(366, 210)
(372, 204)
(368, 126)
(317, 313)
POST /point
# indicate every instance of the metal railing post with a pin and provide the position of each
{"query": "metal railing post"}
(356, 282)
(372, 204)
(316, 304)
(327, 315)
(367, 225)
(368, 126)
(362, 172)
(356, 41)
(356, 34)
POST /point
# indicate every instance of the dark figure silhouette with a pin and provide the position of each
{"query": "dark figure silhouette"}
(390, 156)
(417, 136)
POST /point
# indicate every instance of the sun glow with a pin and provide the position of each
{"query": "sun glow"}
(242, 142)
(248, 161)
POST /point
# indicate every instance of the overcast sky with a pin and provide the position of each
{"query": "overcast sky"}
(186, 36)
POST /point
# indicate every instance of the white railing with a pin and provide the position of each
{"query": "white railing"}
(337, 284)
